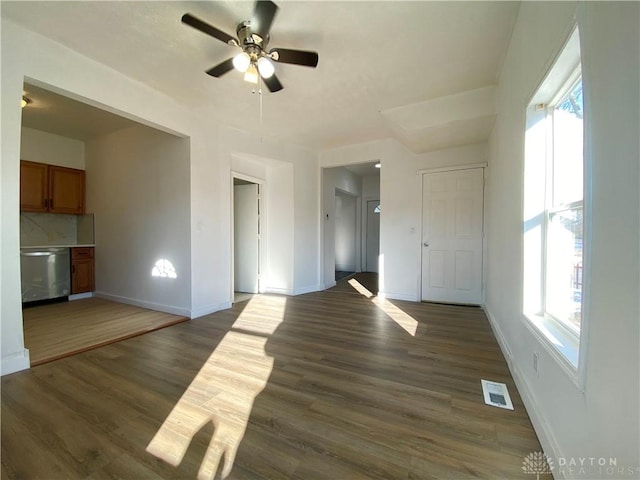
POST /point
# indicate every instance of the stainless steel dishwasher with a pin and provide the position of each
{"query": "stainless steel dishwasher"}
(45, 273)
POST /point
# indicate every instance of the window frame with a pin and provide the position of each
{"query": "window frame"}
(567, 347)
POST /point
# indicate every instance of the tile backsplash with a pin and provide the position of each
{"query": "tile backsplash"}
(40, 229)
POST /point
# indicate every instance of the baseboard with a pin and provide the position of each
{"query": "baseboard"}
(80, 296)
(329, 285)
(309, 289)
(540, 425)
(280, 291)
(15, 362)
(398, 296)
(345, 268)
(208, 309)
(149, 305)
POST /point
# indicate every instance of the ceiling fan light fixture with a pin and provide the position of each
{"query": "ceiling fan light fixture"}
(265, 67)
(242, 61)
(251, 75)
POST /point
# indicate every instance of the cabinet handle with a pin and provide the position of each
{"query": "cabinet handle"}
(73, 269)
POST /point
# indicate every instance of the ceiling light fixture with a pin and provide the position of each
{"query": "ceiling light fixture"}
(265, 67)
(25, 101)
(377, 165)
(242, 61)
(251, 75)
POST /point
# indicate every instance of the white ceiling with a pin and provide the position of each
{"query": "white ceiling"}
(375, 57)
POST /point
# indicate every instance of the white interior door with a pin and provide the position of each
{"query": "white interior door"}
(373, 236)
(246, 238)
(452, 226)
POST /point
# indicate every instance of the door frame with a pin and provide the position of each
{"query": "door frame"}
(262, 244)
(451, 169)
(365, 226)
(357, 226)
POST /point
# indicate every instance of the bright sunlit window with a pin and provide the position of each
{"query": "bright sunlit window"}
(553, 223)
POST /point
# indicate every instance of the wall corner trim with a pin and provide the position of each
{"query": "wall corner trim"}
(307, 289)
(143, 304)
(208, 309)
(15, 362)
(407, 297)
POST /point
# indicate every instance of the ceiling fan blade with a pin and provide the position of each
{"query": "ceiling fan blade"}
(296, 57)
(263, 15)
(221, 68)
(206, 28)
(272, 83)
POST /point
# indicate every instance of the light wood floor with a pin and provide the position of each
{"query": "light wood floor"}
(319, 386)
(61, 329)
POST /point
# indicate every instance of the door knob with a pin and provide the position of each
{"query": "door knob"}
(426, 244)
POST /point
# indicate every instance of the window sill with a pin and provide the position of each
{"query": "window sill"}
(562, 346)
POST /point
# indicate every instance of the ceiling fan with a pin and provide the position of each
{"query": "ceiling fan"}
(253, 38)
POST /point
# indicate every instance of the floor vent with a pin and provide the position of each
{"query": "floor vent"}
(496, 394)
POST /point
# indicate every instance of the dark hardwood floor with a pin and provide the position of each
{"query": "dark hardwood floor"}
(325, 385)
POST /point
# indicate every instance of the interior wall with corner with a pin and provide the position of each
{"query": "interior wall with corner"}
(401, 201)
(290, 211)
(574, 422)
(138, 190)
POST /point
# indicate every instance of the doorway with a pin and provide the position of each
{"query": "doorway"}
(246, 239)
(452, 230)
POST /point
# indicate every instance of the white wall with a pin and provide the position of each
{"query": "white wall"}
(44, 147)
(345, 232)
(289, 219)
(400, 198)
(603, 420)
(306, 219)
(345, 181)
(138, 190)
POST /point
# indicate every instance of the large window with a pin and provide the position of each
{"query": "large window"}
(564, 213)
(553, 220)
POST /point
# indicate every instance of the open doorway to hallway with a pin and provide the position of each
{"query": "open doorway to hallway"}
(346, 239)
(351, 240)
(246, 239)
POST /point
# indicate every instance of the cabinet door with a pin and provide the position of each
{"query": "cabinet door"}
(33, 187)
(66, 190)
(82, 270)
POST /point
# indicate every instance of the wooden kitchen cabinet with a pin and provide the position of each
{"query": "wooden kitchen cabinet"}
(50, 188)
(34, 186)
(82, 270)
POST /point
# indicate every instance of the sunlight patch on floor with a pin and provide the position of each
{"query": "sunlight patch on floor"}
(361, 289)
(223, 391)
(404, 320)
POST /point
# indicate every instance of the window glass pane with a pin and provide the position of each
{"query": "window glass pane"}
(564, 267)
(567, 148)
